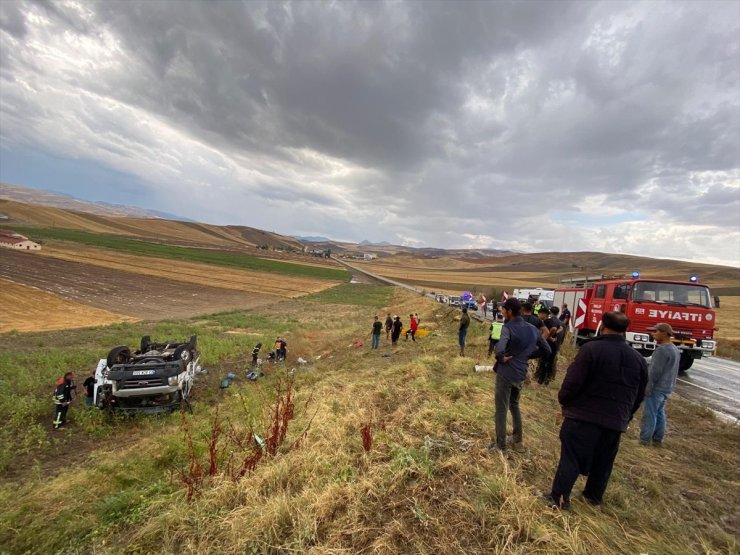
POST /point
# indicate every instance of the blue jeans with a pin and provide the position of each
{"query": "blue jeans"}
(461, 337)
(376, 341)
(653, 417)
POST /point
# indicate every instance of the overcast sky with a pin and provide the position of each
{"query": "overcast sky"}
(536, 126)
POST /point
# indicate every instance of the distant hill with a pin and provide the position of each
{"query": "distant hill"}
(550, 267)
(157, 229)
(68, 202)
(312, 239)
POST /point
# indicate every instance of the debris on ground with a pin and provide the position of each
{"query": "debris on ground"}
(483, 368)
(301, 360)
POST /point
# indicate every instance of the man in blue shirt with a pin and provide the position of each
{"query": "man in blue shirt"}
(662, 373)
(519, 340)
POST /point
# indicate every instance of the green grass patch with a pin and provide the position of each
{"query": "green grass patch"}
(218, 258)
(360, 294)
(30, 363)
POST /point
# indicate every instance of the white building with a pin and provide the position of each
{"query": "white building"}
(12, 240)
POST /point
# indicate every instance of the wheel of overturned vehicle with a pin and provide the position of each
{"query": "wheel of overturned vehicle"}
(183, 353)
(145, 342)
(118, 355)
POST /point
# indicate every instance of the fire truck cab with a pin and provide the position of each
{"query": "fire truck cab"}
(686, 306)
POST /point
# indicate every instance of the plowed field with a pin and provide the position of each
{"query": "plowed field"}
(136, 295)
(190, 272)
(24, 308)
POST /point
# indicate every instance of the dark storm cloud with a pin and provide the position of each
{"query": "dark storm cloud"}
(423, 118)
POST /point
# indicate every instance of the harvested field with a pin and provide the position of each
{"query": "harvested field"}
(190, 272)
(457, 275)
(136, 295)
(24, 308)
(542, 269)
(727, 318)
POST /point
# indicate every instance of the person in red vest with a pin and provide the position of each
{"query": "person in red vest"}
(413, 326)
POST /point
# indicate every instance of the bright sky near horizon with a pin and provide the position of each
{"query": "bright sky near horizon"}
(534, 126)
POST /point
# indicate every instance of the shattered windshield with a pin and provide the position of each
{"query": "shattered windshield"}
(671, 293)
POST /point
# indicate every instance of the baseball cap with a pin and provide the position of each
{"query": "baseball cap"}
(665, 328)
(512, 304)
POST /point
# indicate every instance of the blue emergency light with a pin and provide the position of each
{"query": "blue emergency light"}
(694, 279)
(635, 274)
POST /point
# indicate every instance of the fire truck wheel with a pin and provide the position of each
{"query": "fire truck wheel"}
(685, 363)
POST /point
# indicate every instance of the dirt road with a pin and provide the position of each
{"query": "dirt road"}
(121, 292)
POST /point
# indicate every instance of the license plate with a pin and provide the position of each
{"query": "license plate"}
(144, 372)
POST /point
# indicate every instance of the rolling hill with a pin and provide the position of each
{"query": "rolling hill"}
(427, 266)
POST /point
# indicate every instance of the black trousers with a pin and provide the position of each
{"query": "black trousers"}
(546, 368)
(60, 414)
(587, 449)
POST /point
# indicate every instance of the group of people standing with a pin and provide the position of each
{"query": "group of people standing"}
(393, 329)
(600, 394)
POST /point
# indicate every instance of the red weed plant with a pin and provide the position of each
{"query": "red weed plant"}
(192, 476)
(367, 436)
(242, 444)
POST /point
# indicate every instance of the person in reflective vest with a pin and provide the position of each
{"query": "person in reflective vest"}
(495, 335)
(63, 398)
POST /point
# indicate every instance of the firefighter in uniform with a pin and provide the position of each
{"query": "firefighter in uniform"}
(63, 398)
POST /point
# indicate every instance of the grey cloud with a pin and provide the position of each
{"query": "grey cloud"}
(454, 110)
(13, 19)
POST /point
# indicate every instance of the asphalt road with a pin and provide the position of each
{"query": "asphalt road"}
(714, 383)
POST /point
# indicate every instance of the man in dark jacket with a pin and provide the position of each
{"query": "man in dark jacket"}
(388, 326)
(518, 341)
(397, 327)
(546, 368)
(463, 330)
(601, 392)
(63, 398)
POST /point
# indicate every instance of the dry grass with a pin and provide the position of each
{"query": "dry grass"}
(26, 309)
(427, 485)
(190, 272)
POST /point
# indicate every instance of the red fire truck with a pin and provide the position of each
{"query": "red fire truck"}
(686, 306)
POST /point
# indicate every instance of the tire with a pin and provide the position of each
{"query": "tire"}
(118, 355)
(183, 353)
(580, 339)
(145, 342)
(685, 363)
